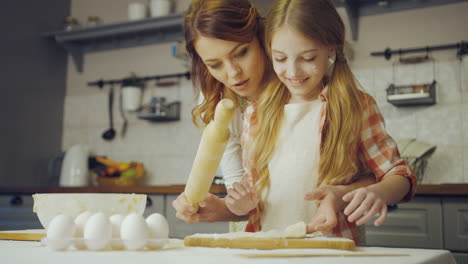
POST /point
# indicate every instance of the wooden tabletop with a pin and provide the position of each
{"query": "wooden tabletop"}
(422, 189)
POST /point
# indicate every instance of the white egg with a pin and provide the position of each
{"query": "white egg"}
(97, 232)
(80, 222)
(158, 226)
(60, 232)
(158, 229)
(116, 222)
(134, 232)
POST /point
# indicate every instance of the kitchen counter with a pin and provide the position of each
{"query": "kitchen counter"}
(34, 252)
(422, 189)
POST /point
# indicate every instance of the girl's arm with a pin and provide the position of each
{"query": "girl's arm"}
(331, 202)
(212, 209)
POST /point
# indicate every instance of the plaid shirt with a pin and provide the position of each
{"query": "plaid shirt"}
(377, 151)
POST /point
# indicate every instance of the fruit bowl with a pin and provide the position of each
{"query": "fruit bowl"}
(117, 181)
(113, 173)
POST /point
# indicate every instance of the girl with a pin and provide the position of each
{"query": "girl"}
(315, 127)
(225, 38)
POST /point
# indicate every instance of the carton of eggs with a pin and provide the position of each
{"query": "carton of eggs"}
(96, 231)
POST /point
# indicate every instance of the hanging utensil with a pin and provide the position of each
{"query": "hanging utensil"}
(122, 114)
(110, 133)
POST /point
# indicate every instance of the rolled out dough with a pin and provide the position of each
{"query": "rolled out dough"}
(297, 230)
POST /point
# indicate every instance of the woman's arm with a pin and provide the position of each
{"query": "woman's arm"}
(396, 181)
(380, 153)
(369, 201)
(231, 162)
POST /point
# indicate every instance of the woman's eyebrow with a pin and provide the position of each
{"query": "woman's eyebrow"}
(230, 52)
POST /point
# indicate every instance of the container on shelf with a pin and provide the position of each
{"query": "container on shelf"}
(132, 90)
(71, 23)
(409, 95)
(93, 21)
(160, 8)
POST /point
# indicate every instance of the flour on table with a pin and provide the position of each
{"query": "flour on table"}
(297, 230)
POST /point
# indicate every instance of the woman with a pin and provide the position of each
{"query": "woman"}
(225, 41)
(316, 106)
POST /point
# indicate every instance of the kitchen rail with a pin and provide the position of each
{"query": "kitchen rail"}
(422, 189)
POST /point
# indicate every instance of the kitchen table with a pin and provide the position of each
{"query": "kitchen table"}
(34, 252)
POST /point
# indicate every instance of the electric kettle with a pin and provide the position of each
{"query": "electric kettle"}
(74, 171)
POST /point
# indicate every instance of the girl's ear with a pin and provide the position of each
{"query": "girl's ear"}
(331, 52)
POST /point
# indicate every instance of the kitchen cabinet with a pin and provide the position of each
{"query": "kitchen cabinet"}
(119, 35)
(437, 222)
(180, 229)
(16, 212)
(456, 227)
(415, 224)
(155, 203)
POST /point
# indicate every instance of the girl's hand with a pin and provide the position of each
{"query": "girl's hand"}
(329, 203)
(209, 210)
(363, 205)
(241, 198)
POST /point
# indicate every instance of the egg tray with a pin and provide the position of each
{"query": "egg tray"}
(113, 244)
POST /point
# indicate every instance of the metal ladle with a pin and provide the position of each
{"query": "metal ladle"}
(110, 133)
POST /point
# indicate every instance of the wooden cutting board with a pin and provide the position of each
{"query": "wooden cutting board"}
(268, 243)
(21, 236)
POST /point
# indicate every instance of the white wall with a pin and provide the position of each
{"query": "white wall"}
(168, 149)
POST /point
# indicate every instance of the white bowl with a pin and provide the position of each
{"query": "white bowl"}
(48, 205)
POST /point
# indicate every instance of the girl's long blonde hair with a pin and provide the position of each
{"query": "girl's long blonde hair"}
(318, 20)
(231, 20)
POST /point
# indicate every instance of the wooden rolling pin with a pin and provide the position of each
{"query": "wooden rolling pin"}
(293, 255)
(21, 236)
(268, 243)
(209, 154)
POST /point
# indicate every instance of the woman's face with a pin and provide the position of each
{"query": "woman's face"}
(299, 62)
(239, 66)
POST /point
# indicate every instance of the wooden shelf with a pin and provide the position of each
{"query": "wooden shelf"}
(157, 189)
(119, 35)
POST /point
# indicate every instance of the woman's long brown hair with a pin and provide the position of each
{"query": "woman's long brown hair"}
(231, 20)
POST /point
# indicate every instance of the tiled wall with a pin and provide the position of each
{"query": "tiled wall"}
(443, 124)
(168, 149)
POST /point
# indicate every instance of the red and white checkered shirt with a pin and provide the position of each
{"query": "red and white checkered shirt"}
(378, 153)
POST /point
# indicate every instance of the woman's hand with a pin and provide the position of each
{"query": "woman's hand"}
(210, 209)
(363, 205)
(330, 203)
(241, 198)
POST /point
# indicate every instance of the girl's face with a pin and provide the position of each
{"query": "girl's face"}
(300, 63)
(239, 66)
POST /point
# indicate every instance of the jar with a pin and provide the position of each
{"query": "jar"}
(160, 8)
(158, 106)
(71, 23)
(93, 21)
(132, 90)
